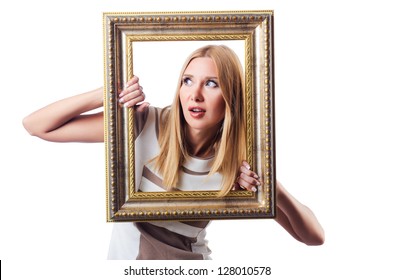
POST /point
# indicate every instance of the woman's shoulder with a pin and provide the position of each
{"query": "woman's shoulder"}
(149, 116)
(153, 110)
(161, 114)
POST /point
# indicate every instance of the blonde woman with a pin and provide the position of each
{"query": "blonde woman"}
(200, 137)
(205, 121)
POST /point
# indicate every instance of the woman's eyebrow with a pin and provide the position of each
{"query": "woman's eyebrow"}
(207, 77)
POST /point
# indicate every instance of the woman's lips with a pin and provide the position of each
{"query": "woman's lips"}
(196, 112)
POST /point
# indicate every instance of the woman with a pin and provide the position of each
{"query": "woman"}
(204, 122)
(204, 127)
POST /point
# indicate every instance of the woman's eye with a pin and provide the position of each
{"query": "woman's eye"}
(211, 83)
(186, 81)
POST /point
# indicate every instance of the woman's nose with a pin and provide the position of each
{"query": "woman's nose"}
(196, 94)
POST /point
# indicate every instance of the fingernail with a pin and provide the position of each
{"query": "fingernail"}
(254, 189)
(121, 100)
(256, 176)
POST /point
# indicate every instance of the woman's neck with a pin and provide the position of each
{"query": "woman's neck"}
(201, 143)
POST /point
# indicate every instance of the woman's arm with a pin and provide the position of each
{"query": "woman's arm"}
(62, 121)
(297, 218)
(65, 121)
(292, 215)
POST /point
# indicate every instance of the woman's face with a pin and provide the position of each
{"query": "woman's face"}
(201, 96)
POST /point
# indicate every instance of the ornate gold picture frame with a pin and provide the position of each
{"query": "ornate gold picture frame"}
(254, 31)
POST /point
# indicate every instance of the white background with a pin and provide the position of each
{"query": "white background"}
(334, 143)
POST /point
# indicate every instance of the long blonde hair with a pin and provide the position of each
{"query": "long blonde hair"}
(230, 145)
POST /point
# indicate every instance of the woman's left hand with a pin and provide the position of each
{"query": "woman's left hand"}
(247, 179)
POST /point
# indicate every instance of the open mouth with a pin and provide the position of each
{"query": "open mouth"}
(196, 112)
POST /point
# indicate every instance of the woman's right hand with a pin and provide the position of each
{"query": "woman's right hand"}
(68, 120)
(133, 95)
